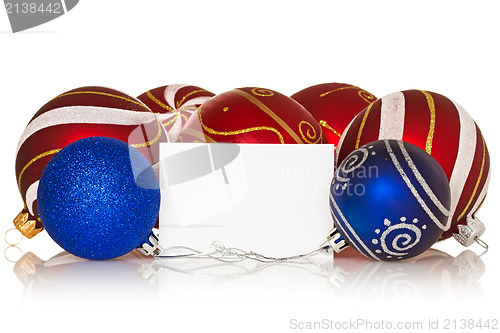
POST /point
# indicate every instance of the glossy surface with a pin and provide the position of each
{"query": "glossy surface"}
(76, 114)
(441, 127)
(334, 105)
(252, 115)
(390, 200)
(446, 46)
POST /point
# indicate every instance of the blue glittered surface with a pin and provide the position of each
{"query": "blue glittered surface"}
(90, 202)
(378, 212)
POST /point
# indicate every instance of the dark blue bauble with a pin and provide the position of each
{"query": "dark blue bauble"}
(98, 198)
(390, 200)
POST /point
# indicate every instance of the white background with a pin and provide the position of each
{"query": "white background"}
(449, 47)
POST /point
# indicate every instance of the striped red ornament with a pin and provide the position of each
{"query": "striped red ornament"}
(73, 115)
(174, 104)
(334, 105)
(252, 115)
(447, 132)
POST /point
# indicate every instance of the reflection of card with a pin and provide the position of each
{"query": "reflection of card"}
(267, 198)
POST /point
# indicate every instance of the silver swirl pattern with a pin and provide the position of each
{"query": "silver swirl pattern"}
(405, 240)
(351, 163)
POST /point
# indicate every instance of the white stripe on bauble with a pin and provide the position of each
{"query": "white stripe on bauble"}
(411, 187)
(465, 158)
(176, 128)
(392, 116)
(85, 115)
(170, 92)
(31, 194)
(481, 196)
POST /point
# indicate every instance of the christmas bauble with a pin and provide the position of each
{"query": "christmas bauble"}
(73, 115)
(334, 105)
(252, 115)
(174, 104)
(390, 200)
(98, 198)
(444, 130)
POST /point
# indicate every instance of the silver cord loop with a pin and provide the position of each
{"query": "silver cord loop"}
(482, 243)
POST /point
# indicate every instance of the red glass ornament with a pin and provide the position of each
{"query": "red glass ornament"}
(441, 127)
(73, 115)
(174, 104)
(334, 105)
(252, 115)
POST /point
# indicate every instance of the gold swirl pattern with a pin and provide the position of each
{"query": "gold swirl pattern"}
(33, 160)
(245, 130)
(432, 109)
(311, 133)
(362, 126)
(102, 94)
(477, 183)
(157, 101)
(270, 113)
(325, 125)
(366, 96)
(179, 103)
(262, 92)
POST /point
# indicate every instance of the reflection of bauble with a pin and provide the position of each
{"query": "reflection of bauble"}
(67, 278)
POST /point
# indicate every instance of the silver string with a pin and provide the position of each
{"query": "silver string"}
(232, 254)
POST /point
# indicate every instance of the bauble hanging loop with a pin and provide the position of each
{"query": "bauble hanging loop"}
(443, 129)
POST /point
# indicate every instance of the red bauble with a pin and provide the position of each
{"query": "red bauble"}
(73, 115)
(252, 115)
(174, 104)
(334, 105)
(441, 127)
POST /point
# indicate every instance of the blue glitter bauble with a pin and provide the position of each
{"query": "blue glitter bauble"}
(390, 200)
(98, 198)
